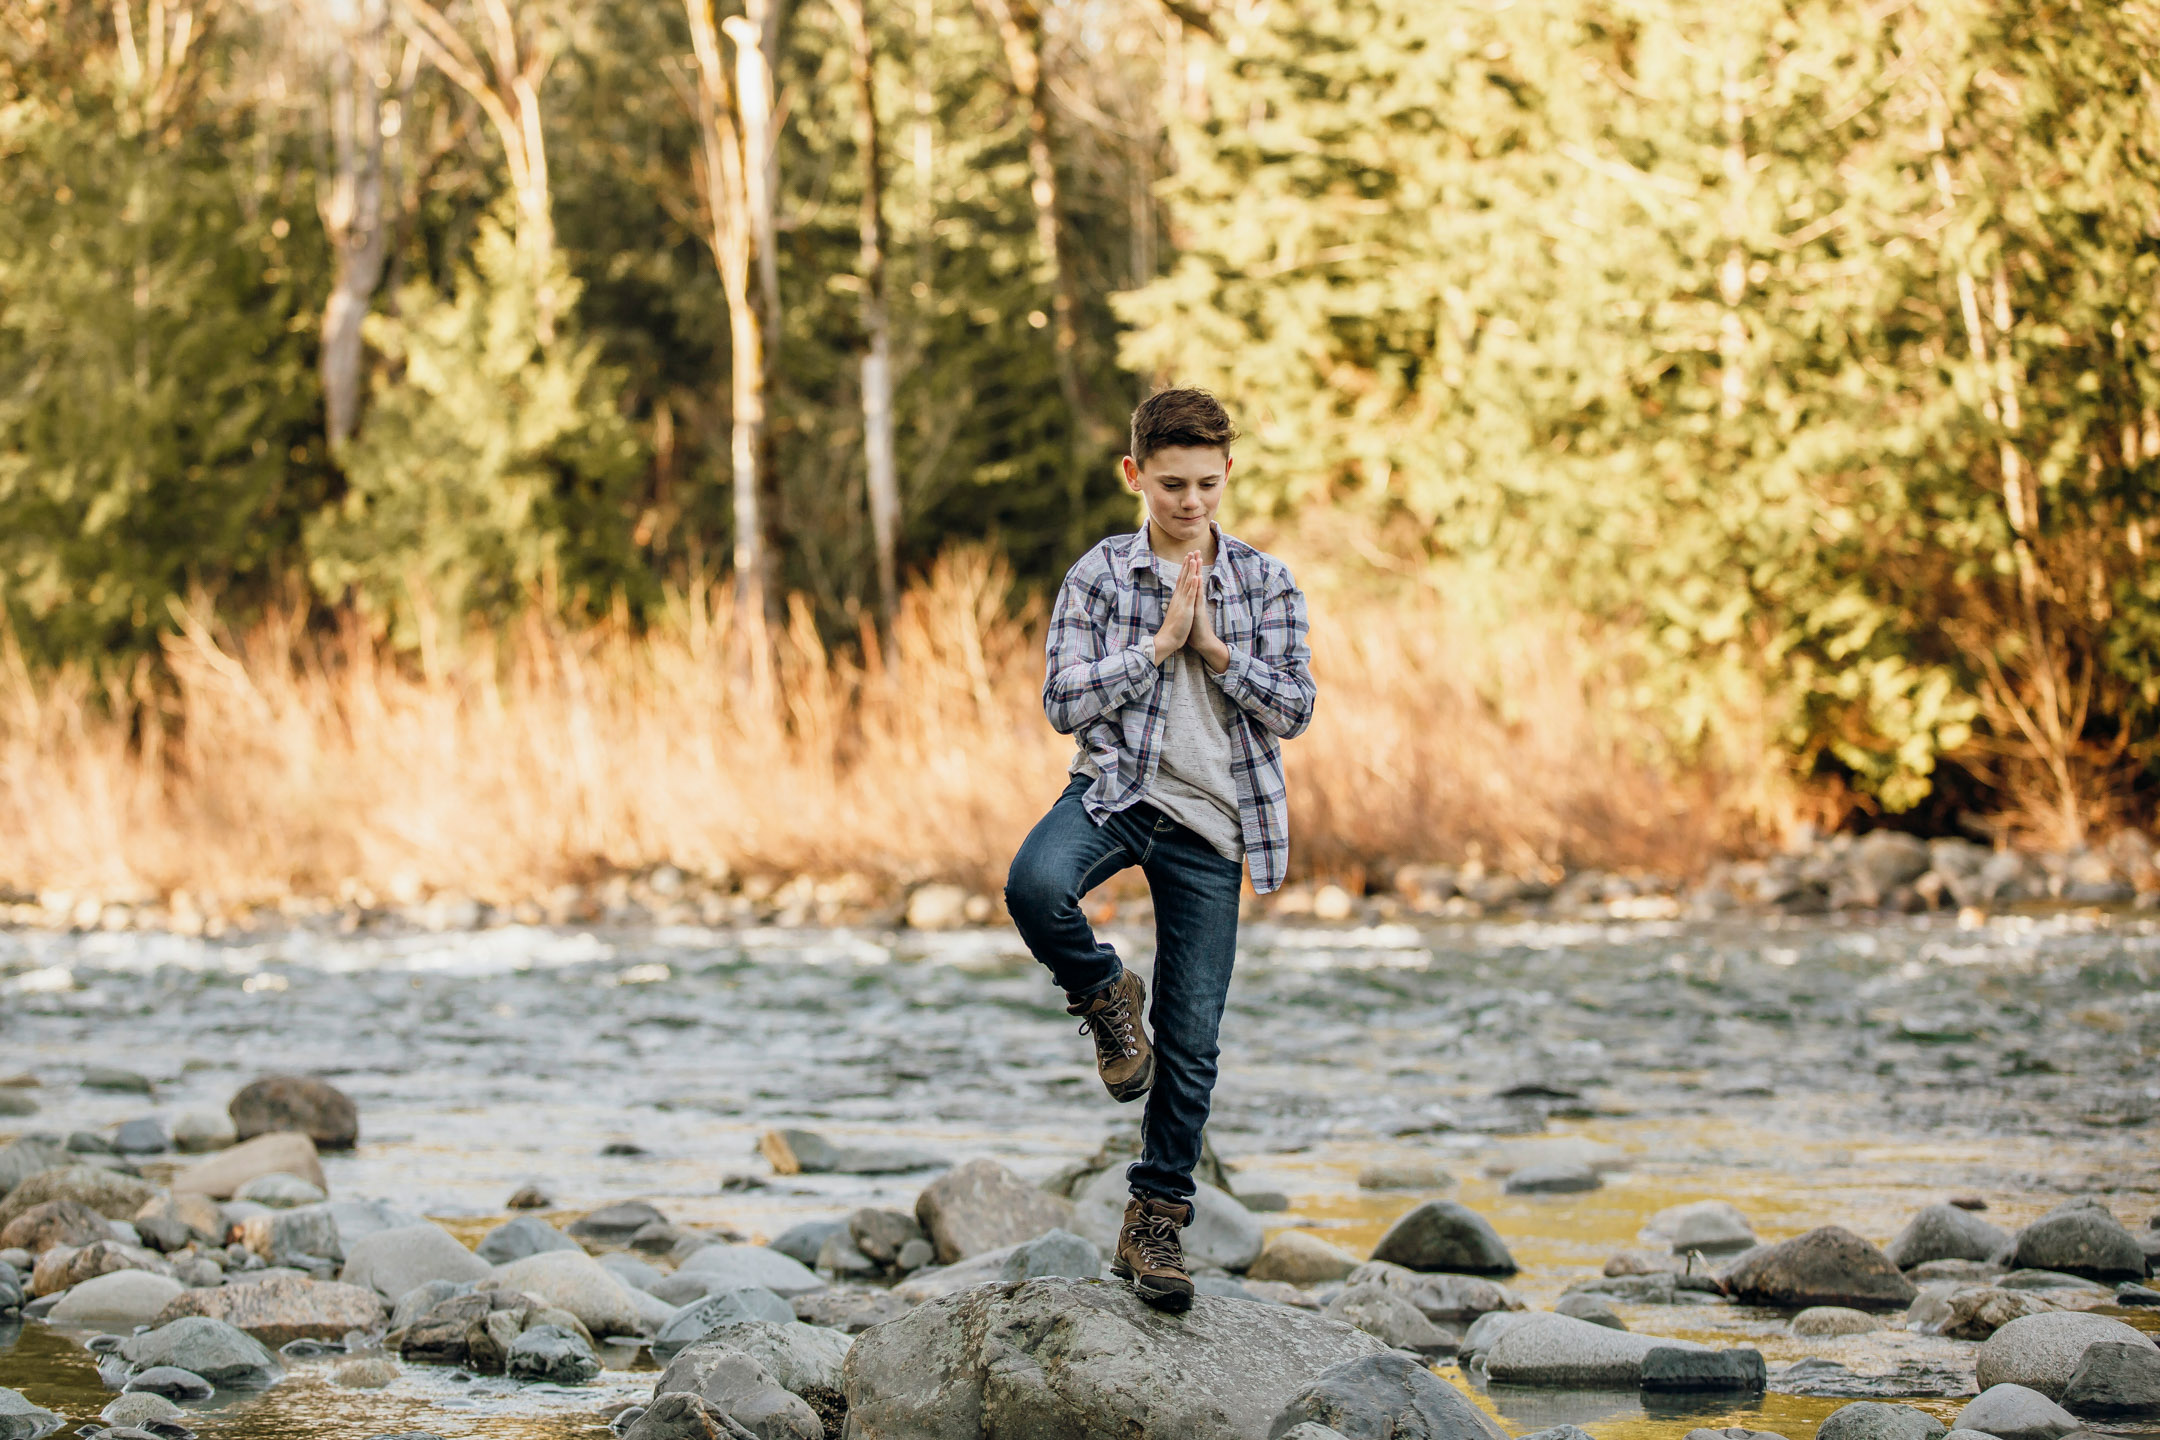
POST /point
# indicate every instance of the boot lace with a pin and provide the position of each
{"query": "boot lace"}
(1155, 1237)
(1113, 1029)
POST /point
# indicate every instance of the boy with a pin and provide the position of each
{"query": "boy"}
(1177, 661)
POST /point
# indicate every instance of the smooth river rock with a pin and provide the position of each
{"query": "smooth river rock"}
(731, 1265)
(304, 1103)
(1075, 1359)
(1833, 1320)
(280, 1309)
(220, 1176)
(1547, 1349)
(118, 1301)
(1442, 1235)
(225, 1356)
(805, 1359)
(1827, 1266)
(393, 1262)
(1298, 1257)
(2115, 1381)
(577, 1283)
(983, 1206)
(2080, 1238)
(55, 1222)
(1383, 1395)
(2012, 1412)
(21, 1420)
(694, 1322)
(1945, 1232)
(2041, 1352)
(1870, 1420)
(1713, 1227)
(516, 1239)
(112, 1195)
(736, 1385)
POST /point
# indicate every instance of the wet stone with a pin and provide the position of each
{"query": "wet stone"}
(371, 1372)
(615, 1224)
(1386, 1395)
(1826, 1266)
(2012, 1412)
(1833, 1320)
(2114, 1381)
(518, 1238)
(304, 1103)
(1670, 1369)
(1593, 1308)
(1946, 1232)
(171, 1382)
(553, 1354)
(1442, 1235)
(1871, 1420)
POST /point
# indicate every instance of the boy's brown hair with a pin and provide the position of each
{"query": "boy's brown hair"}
(1179, 417)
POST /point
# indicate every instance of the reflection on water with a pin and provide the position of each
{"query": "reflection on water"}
(1810, 1072)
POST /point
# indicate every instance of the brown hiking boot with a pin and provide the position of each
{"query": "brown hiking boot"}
(1123, 1056)
(1150, 1255)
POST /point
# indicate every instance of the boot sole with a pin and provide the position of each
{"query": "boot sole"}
(1136, 1087)
(1161, 1295)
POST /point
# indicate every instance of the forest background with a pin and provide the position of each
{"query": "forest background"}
(484, 444)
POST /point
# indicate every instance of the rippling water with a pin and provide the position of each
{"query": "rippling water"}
(1811, 1072)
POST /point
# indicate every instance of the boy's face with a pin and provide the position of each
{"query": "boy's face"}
(1182, 485)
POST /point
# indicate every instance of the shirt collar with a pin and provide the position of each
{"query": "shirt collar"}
(1140, 556)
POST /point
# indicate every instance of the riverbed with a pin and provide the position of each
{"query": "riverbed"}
(1810, 1071)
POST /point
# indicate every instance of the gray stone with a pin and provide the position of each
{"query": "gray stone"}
(849, 1311)
(2080, 1240)
(1945, 1232)
(1074, 1359)
(1314, 1430)
(222, 1175)
(1882, 860)
(2041, 1352)
(1558, 1432)
(1558, 1179)
(119, 1301)
(111, 1077)
(20, 1159)
(195, 1132)
(694, 1322)
(736, 1385)
(1442, 1299)
(1387, 1316)
(1442, 1235)
(391, 1262)
(1385, 1396)
(116, 1197)
(983, 1206)
(1298, 1257)
(805, 1152)
(615, 1224)
(358, 1219)
(683, 1417)
(553, 1354)
(141, 1136)
(2136, 1295)
(805, 1359)
(753, 1265)
(1827, 1266)
(303, 1103)
(2115, 1381)
(138, 1408)
(21, 1420)
(516, 1239)
(680, 1290)
(170, 1382)
(840, 1258)
(2047, 1280)
(287, 1237)
(1729, 1432)
(1870, 1420)
(1487, 1329)
(1713, 1227)
(416, 1302)
(281, 1306)
(1560, 1350)
(2012, 1412)
(1670, 1369)
(882, 1234)
(280, 1191)
(1060, 1252)
(629, 1271)
(1594, 1308)
(369, 1372)
(574, 1281)
(801, 1243)
(1832, 1320)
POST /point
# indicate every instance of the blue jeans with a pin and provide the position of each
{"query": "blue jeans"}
(1196, 916)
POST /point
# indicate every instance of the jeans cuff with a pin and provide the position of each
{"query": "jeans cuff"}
(1076, 997)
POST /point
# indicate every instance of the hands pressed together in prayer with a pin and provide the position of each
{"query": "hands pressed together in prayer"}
(1186, 621)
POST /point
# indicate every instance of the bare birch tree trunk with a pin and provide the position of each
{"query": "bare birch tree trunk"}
(506, 87)
(877, 385)
(731, 175)
(353, 213)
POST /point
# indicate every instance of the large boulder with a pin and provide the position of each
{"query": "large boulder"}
(731, 1265)
(2041, 1352)
(281, 1152)
(1546, 1349)
(2115, 1381)
(735, 1384)
(576, 1282)
(2012, 1412)
(1076, 1359)
(982, 1206)
(1223, 1233)
(2080, 1238)
(279, 1309)
(516, 1239)
(110, 1194)
(1384, 1395)
(1944, 1232)
(315, 1108)
(220, 1353)
(1442, 1235)
(1829, 1266)
(118, 1301)
(392, 1262)
(1870, 1420)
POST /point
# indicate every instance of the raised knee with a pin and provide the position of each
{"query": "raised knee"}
(1032, 890)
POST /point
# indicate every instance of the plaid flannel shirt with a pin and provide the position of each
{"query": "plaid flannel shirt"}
(1101, 688)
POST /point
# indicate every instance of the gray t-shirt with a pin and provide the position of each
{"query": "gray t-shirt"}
(1193, 781)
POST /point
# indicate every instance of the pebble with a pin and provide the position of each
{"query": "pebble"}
(629, 1271)
(120, 1300)
(114, 1196)
(1673, 1369)
(728, 1265)
(1418, 1173)
(141, 1136)
(19, 1419)
(1946, 1232)
(1386, 1316)
(1834, 1320)
(107, 1077)
(801, 1243)
(220, 1176)
(1826, 1266)
(282, 1306)
(196, 1132)
(56, 1222)
(1557, 1350)
(1562, 1179)
(614, 1224)
(516, 1239)
(1713, 1227)
(574, 1281)
(218, 1352)
(1383, 1395)
(528, 1197)
(2080, 1237)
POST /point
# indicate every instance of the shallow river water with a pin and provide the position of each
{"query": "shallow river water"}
(1809, 1071)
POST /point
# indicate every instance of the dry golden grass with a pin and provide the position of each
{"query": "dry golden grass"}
(282, 763)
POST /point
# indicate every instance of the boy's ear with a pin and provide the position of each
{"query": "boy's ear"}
(1131, 468)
